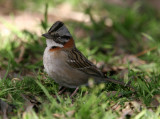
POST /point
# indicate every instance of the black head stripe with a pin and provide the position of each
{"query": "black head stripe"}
(55, 26)
(66, 37)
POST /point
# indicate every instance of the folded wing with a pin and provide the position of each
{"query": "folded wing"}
(78, 61)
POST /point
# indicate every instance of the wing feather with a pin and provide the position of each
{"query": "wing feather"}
(78, 61)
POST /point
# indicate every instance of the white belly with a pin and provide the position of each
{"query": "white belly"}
(57, 68)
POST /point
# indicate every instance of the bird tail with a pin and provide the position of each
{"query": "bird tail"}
(118, 82)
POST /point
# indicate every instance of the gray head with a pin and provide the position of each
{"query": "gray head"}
(58, 33)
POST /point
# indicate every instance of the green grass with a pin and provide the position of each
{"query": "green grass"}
(27, 78)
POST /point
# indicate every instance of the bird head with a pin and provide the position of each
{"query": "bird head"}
(57, 35)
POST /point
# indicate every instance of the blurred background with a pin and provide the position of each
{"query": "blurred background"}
(111, 33)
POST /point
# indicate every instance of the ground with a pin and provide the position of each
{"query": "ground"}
(122, 41)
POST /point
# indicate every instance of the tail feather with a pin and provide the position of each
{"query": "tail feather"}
(118, 82)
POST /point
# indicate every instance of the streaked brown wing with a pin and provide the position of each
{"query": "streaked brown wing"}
(78, 61)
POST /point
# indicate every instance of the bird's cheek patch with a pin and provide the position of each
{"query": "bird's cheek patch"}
(69, 44)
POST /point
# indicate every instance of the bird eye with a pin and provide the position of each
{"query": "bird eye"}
(59, 37)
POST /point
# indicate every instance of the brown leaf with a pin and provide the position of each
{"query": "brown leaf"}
(70, 113)
(155, 101)
(15, 79)
(56, 115)
(130, 108)
(126, 111)
(133, 60)
(116, 107)
(30, 103)
(136, 105)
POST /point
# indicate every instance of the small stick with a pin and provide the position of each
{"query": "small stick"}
(145, 51)
(75, 91)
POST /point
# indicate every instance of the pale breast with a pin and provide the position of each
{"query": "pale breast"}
(52, 61)
(57, 68)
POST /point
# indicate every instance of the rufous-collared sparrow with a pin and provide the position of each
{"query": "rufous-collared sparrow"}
(65, 63)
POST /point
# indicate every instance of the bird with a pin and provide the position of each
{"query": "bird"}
(65, 64)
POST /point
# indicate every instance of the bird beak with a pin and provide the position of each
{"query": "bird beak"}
(46, 35)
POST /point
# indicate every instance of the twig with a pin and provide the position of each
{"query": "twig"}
(145, 51)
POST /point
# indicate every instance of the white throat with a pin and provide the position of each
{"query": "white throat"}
(51, 43)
